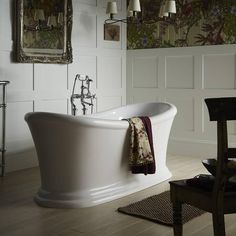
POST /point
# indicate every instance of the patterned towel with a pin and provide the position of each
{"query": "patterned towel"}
(141, 153)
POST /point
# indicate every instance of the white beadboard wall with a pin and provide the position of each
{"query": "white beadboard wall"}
(47, 87)
(185, 77)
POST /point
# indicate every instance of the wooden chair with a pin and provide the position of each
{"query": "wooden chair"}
(218, 200)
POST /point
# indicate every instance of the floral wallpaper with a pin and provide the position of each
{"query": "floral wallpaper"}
(196, 23)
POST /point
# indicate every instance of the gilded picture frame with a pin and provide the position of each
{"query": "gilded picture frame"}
(43, 31)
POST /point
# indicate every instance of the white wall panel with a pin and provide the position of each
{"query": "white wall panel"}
(106, 103)
(86, 30)
(186, 76)
(47, 87)
(145, 72)
(184, 120)
(5, 25)
(15, 115)
(223, 75)
(109, 72)
(139, 98)
(179, 72)
(19, 144)
(20, 75)
(89, 2)
(85, 65)
(52, 75)
(232, 127)
(57, 106)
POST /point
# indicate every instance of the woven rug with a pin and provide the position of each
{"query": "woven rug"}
(158, 208)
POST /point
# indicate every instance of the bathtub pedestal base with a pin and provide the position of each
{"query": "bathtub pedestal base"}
(104, 194)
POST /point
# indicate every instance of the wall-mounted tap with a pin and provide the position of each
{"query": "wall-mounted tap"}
(85, 96)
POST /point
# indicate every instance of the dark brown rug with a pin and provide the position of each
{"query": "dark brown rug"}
(158, 208)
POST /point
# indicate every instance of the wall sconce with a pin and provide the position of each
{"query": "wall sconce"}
(132, 11)
(167, 7)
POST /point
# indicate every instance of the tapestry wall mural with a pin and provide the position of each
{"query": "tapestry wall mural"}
(196, 23)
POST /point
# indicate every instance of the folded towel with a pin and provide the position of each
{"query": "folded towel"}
(141, 153)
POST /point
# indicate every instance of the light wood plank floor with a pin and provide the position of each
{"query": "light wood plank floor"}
(19, 215)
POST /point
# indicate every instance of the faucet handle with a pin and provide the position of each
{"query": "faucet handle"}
(76, 95)
(88, 80)
(82, 77)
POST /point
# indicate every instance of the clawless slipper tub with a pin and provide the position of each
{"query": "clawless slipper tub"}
(83, 160)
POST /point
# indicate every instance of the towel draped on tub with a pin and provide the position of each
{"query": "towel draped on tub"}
(141, 153)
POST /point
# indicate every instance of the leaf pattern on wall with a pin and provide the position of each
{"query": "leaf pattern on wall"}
(196, 23)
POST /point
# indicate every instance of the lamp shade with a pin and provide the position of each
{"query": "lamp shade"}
(134, 5)
(162, 11)
(52, 21)
(60, 18)
(111, 8)
(39, 15)
(170, 6)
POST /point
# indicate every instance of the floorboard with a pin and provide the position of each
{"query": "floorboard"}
(19, 215)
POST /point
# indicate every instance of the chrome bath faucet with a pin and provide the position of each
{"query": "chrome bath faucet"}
(85, 96)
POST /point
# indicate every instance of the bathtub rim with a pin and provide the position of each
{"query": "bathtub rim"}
(93, 121)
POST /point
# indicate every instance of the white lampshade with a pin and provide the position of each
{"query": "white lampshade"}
(39, 15)
(170, 6)
(52, 21)
(111, 8)
(26, 20)
(134, 5)
(60, 18)
(162, 11)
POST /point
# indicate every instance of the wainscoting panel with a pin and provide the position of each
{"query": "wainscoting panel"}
(144, 98)
(51, 75)
(19, 143)
(144, 72)
(15, 115)
(86, 30)
(184, 121)
(21, 74)
(57, 106)
(106, 103)
(186, 76)
(5, 25)
(180, 72)
(223, 76)
(109, 72)
(89, 2)
(84, 65)
(232, 128)
(47, 87)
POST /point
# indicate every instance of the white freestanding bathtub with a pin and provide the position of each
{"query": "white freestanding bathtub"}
(83, 160)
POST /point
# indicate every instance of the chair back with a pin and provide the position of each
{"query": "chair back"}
(222, 110)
